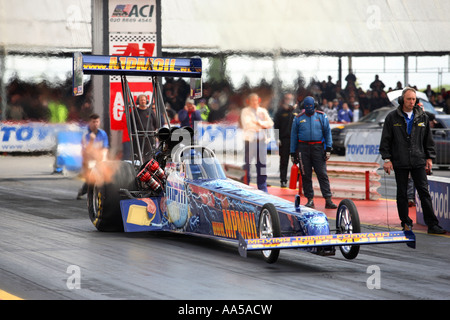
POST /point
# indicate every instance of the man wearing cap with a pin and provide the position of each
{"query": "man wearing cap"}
(357, 112)
(310, 148)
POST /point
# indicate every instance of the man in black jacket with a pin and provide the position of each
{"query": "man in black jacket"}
(407, 146)
(283, 123)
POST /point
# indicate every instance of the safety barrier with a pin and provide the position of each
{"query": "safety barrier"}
(353, 180)
(68, 150)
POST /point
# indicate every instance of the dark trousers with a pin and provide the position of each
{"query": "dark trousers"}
(419, 177)
(313, 156)
(256, 152)
(284, 158)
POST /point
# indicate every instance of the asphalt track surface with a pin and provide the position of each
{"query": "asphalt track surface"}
(49, 250)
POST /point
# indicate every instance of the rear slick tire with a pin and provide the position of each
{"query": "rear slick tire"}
(106, 180)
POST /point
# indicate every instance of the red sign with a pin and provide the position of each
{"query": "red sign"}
(122, 47)
(116, 107)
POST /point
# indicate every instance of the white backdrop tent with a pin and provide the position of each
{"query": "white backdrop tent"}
(272, 28)
(363, 27)
(45, 26)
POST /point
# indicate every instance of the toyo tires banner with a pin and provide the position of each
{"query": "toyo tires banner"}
(363, 146)
(31, 136)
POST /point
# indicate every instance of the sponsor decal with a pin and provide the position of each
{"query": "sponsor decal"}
(238, 221)
(141, 64)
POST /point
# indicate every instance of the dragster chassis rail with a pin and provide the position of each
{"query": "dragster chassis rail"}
(407, 237)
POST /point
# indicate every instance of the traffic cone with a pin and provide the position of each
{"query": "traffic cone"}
(294, 177)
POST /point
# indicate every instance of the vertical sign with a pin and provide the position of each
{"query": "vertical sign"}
(132, 32)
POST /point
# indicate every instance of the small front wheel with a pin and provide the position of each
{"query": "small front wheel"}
(347, 222)
(269, 227)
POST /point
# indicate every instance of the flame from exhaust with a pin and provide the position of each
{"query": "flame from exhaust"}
(95, 169)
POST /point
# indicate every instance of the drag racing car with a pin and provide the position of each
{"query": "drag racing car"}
(179, 186)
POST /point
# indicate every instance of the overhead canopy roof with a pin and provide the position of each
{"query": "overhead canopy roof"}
(345, 27)
(45, 26)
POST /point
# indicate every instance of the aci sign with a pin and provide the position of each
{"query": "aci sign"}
(138, 16)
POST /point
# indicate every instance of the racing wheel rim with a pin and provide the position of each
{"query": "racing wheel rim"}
(269, 227)
(97, 203)
(347, 222)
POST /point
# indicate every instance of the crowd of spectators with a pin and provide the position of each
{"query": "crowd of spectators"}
(46, 102)
(342, 102)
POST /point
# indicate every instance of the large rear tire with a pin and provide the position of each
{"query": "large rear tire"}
(269, 227)
(105, 182)
(347, 222)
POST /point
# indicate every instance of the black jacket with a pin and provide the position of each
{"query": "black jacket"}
(404, 151)
(283, 121)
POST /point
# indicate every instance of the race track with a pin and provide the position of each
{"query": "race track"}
(50, 250)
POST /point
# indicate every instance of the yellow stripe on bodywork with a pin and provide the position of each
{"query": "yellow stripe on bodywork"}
(7, 296)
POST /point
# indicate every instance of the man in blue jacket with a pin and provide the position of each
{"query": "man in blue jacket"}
(311, 148)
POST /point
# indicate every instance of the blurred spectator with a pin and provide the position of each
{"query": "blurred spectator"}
(331, 110)
(447, 105)
(377, 84)
(203, 108)
(384, 98)
(282, 123)
(58, 110)
(330, 93)
(74, 115)
(188, 115)
(340, 94)
(345, 115)
(323, 105)
(398, 86)
(376, 101)
(357, 112)
(363, 100)
(351, 79)
(255, 120)
(429, 92)
(15, 110)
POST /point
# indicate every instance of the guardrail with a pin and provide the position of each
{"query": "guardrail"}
(352, 180)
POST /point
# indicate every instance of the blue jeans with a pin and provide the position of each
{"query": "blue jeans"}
(256, 153)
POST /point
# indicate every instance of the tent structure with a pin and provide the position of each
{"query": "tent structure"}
(45, 26)
(345, 28)
(326, 27)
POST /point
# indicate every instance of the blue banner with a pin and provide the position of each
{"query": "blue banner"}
(439, 191)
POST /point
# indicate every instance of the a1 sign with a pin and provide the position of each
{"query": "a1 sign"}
(117, 116)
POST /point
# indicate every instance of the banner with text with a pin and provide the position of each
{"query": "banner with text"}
(132, 32)
(363, 146)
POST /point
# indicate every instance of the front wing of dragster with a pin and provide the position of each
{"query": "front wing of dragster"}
(407, 237)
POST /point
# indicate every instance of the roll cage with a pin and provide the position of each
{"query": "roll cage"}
(154, 68)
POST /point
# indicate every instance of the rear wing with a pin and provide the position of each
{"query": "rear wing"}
(137, 66)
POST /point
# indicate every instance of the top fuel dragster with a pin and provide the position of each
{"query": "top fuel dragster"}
(179, 186)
